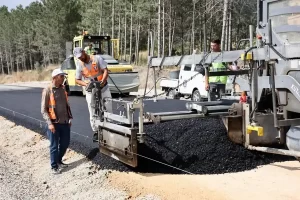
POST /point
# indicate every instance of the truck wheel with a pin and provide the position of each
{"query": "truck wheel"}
(196, 96)
(171, 94)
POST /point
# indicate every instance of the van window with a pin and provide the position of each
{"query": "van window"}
(187, 68)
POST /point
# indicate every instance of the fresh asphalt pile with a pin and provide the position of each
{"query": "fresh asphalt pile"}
(198, 146)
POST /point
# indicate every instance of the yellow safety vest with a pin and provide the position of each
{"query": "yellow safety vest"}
(218, 67)
(89, 51)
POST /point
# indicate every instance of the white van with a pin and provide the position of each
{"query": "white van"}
(194, 89)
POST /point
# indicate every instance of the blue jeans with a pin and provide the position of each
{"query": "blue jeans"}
(59, 143)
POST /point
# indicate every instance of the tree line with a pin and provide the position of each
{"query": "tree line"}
(36, 35)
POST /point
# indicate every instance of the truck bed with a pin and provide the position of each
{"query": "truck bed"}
(169, 83)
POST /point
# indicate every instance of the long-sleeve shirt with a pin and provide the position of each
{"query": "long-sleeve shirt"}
(61, 105)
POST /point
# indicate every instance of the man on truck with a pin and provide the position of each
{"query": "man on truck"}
(215, 80)
(92, 68)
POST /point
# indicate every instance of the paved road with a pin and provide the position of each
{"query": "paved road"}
(27, 100)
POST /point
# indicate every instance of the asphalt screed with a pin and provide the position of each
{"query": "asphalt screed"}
(198, 146)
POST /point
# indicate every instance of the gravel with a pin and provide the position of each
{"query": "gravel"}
(148, 197)
(199, 146)
(23, 177)
(16, 183)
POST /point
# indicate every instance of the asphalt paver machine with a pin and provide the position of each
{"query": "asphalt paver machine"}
(269, 121)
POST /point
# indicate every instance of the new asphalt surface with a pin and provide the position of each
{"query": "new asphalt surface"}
(198, 146)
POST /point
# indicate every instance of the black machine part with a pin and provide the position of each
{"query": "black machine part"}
(96, 101)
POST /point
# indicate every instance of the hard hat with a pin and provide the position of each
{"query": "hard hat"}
(58, 72)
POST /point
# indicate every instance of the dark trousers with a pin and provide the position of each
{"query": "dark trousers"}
(216, 90)
(59, 143)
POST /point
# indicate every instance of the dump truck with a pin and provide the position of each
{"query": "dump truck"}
(269, 120)
(122, 79)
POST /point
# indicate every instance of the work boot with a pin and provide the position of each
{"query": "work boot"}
(55, 170)
(62, 165)
(95, 136)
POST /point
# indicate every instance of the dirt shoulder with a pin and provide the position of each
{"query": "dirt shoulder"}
(24, 172)
(275, 181)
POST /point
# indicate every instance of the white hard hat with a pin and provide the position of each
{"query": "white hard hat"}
(58, 72)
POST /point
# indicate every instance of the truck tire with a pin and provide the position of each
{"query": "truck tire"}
(171, 94)
(196, 96)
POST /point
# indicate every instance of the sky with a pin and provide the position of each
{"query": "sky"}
(14, 3)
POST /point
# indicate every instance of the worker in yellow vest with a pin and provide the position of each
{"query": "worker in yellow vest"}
(218, 67)
(215, 47)
(90, 49)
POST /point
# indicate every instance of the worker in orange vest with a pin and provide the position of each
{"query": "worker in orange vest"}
(243, 98)
(90, 68)
(56, 111)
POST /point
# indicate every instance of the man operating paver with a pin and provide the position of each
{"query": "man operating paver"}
(92, 68)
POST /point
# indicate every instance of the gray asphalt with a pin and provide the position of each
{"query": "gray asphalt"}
(27, 101)
(198, 146)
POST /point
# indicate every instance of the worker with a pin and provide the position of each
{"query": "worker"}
(90, 49)
(90, 68)
(215, 47)
(243, 98)
(56, 111)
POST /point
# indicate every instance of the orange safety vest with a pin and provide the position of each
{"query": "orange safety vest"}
(243, 98)
(52, 106)
(94, 72)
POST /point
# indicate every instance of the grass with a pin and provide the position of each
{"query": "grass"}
(45, 75)
(159, 74)
(28, 76)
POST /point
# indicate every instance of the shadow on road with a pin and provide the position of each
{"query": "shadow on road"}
(75, 164)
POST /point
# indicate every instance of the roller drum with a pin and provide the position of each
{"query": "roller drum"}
(293, 138)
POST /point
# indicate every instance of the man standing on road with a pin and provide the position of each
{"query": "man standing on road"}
(92, 68)
(56, 111)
